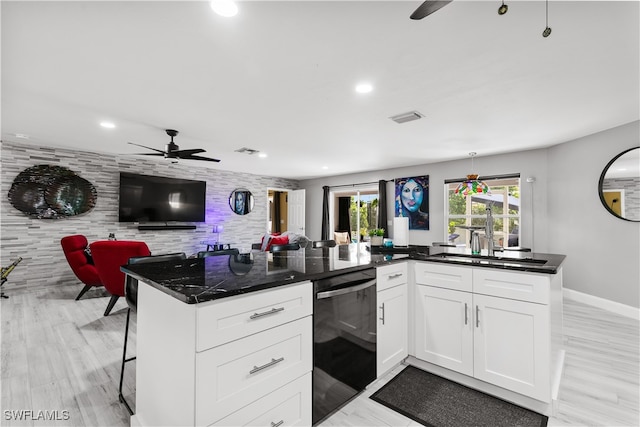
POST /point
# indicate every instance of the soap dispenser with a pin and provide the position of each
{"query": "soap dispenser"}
(475, 243)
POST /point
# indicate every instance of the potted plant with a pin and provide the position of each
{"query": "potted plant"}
(376, 235)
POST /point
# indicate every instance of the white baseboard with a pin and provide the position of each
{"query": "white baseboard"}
(605, 304)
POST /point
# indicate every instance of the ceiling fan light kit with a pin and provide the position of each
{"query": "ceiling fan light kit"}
(427, 7)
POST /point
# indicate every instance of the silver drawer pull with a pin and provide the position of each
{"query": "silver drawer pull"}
(394, 276)
(266, 313)
(278, 424)
(266, 365)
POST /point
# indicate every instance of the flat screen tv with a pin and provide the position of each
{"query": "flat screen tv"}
(146, 198)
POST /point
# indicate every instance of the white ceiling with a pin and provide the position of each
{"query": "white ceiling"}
(280, 76)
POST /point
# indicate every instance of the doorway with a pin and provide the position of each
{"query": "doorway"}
(355, 211)
(285, 211)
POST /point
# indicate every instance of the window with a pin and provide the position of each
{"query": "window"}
(504, 200)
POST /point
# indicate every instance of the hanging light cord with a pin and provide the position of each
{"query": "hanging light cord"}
(547, 30)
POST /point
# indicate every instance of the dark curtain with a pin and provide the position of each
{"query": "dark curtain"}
(382, 206)
(344, 218)
(275, 221)
(325, 214)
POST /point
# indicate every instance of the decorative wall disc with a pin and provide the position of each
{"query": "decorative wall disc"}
(50, 192)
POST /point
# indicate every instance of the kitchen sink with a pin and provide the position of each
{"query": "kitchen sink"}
(485, 259)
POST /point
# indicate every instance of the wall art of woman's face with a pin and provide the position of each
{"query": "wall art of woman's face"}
(412, 194)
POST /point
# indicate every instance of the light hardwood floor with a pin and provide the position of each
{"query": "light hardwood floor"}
(63, 355)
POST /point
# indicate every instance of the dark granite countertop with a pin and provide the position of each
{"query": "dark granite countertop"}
(199, 280)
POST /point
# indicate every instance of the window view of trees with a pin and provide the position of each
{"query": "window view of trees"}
(504, 200)
(367, 213)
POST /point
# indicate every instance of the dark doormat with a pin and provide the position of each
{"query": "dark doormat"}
(437, 402)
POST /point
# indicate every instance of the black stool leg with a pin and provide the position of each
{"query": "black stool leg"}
(125, 360)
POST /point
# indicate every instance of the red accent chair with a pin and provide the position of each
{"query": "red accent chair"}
(81, 263)
(109, 256)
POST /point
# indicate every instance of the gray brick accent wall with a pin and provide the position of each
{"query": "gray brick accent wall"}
(38, 241)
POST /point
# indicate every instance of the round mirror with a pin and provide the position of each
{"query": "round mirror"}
(241, 201)
(619, 185)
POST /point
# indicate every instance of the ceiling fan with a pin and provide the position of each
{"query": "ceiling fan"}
(173, 151)
(427, 8)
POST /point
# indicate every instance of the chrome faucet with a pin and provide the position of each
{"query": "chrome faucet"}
(488, 231)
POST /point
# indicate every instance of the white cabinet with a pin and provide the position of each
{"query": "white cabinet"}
(234, 361)
(392, 319)
(444, 328)
(488, 324)
(512, 345)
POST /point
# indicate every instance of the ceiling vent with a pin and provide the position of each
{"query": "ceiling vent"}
(407, 117)
(247, 150)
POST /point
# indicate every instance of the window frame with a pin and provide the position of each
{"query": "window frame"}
(505, 218)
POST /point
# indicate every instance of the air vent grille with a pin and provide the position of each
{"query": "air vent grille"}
(407, 117)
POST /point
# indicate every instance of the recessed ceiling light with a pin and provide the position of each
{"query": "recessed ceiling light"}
(226, 8)
(262, 155)
(22, 135)
(107, 125)
(325, 167)
(364, 88)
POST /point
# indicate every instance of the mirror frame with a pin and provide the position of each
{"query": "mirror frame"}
(601, 181)
(232, 201)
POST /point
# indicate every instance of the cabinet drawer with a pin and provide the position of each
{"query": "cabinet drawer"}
(231, 376)
(391, 275)
(289, 405)
(519, 286)
(444, 276)
(232, 318)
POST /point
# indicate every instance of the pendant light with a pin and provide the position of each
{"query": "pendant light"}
(503, 9)
(472, 185)
(547, 29)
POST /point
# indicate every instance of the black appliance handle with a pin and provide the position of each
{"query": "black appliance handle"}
(357, 286)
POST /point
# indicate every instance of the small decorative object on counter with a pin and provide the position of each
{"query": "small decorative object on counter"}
(112, 236)
(377, 235)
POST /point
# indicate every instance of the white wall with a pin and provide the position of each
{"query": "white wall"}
(603, 252)
(561, 210)
(527, 163)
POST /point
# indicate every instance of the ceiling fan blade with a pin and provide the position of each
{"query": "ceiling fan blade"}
(149, 148)
(182, 153)
(427, 8)
(199, 158)
(149, 154)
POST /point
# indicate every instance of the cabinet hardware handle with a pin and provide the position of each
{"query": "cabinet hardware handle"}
(266, 313)
(278, 424)
(266, 365)
(382, 308)
(477, 317)
(466, 314)
(393, 276)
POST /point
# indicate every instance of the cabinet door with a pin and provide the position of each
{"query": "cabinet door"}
(392, 344)
(444, 328)
(511, 345)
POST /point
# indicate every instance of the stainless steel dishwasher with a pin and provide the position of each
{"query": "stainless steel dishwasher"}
(344, 342)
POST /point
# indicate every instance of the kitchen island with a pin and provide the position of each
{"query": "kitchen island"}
(227, 340)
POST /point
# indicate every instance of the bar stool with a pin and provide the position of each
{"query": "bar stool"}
(131, 296)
